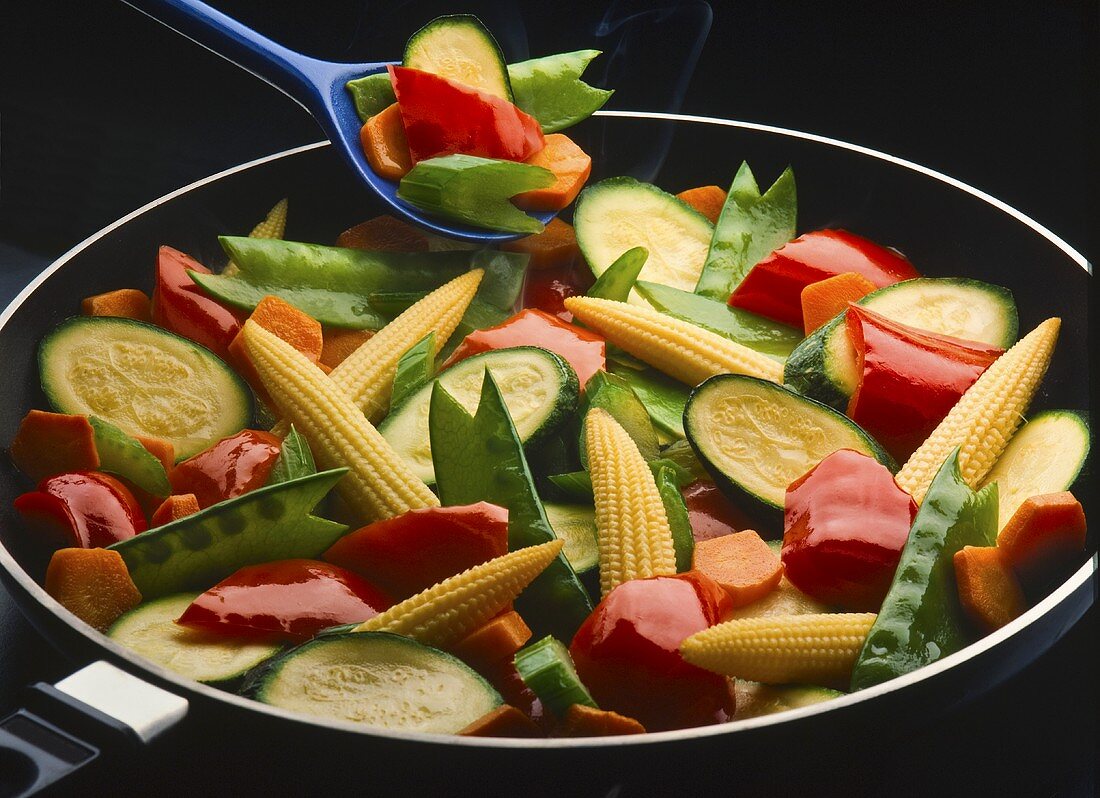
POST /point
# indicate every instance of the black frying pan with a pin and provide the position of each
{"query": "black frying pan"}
(943, 226)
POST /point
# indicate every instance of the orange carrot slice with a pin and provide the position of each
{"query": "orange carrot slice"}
(708, 200)
(1045, 537)
(554, 247)
(92, 584)
(48, 444)
(821, 301)
(338, 344)
(286, 321)
(989, 592)
(498, 639)
(504, 721)
(571, 167)
(385, 145)
(582, 721)
(175, 507)
(126, 303)
(160, 449)
(384, 234)
(744, 565)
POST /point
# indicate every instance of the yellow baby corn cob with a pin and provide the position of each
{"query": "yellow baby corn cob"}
(634, 536)
(783, 649)
(273, 226)
(455, 607)
(987, 416)
(680, 349)
(380, 484)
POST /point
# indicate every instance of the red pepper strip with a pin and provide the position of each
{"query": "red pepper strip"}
(711, 514)
(442, 117)
(181, 306)
(585, 351)
(844, 526)
(84, 509)
(231, 467)
(773, 287)
(547, 289)
(910, 378)
(415, 550)
(627, 652)
(287, 599)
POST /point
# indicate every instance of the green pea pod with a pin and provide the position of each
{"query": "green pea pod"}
(466, 188)
(198, 551)
(664, 398)
(617, 280)
(750, 226)
(683, 541)
(124, 455)
(295, 459)
(414, 369)
(371, 94)
(550, 89)
(480, 458)
(920, 620)
(577, 485)
(763, 335)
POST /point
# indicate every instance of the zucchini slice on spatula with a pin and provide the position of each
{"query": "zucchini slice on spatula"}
(460, 48)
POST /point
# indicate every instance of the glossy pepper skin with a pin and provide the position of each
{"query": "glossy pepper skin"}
(286, 599)
(84, 509)
(181, 306)
(442, 117)
(773, 287)
(547, 289)
(710, 513)
(910, 379)
(585, 351)
(231, 467)
(845, 524)
(627, 652)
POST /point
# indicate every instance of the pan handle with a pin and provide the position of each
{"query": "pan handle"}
(83, 720)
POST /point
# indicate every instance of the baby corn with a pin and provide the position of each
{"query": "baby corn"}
(273, 226)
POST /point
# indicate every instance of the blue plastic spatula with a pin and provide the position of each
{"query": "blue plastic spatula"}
(316, 85)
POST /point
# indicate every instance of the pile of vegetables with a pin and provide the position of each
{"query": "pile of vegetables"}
(632, 474)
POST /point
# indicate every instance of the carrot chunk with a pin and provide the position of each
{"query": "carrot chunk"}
(498, 639)
(385, 145)
(504, 721)
(160, 449)
(175, 507)
(92, 584)
(384, 234)
(744, 565)
(571, 167)
(822, 300)
(582, 721)
(48, 444)
(554, 247)
(1044, 538)
(288, 323)
(126, 303)
(708, 200)
(337, 344)
(989, 592)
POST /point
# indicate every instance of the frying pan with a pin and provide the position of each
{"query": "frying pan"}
(944, 226)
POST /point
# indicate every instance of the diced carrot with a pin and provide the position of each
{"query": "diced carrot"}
(1044, 538)
(822, 300)
(175, 507)
(338, 344)
(286, 321)
(48, 444)
(498, 639)
(126, 303)
(160, 449)
(504, 721)
(744, 565)
(708, 200)
(385, 145)
(554, 247)
(583, 721)
(384, 234)
(571, 167)
(92, 584)
(989, 592)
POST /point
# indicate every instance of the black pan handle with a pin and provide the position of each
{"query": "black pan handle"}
(62, 731)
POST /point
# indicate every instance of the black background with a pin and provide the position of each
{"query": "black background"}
(102, 110)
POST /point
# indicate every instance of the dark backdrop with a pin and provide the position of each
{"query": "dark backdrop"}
(102, 110)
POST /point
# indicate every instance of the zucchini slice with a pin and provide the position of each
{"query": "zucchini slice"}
(143, 380)
(548, 670)
(461, 49)
(540, 391)
(150, 629)
(620, 213)
(823, 366)
(756, 438)
(1046, 455)
(755, 699)
(379, 679)
(576, 525)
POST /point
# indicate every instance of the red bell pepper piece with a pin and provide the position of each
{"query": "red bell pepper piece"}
(415, 550)
(547, 289)
(845, 524)
(84, 509)
(711, 514)
(181, 306)
(231, 467)
(773, 287)
(627, 652)
(442, 117)
(585, 351)
(910, 378)
(286, 599)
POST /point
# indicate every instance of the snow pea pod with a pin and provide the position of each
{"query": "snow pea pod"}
(371, 94)
(550, 89)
